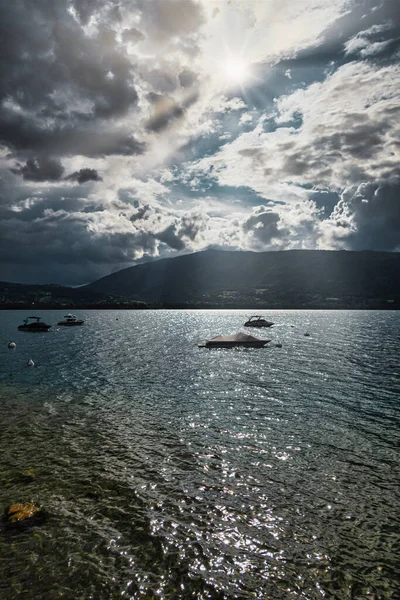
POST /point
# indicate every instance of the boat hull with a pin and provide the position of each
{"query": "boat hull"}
(258, 344)
(258, 325)
(64, 324)
(34, 329)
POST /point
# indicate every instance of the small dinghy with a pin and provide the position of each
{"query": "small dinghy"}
(232, 341)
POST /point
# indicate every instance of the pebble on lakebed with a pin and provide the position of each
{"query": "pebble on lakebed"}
(24, 513)
(28, 475)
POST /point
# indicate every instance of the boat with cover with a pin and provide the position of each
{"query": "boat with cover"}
(71, 320)
(242, 340)
(258, 321)
(35, 325)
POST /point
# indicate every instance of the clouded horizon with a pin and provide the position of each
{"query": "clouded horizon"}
(131, 130)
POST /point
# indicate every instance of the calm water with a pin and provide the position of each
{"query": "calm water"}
(170, 471)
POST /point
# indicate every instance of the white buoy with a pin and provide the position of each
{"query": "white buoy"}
(30, 363)
(12, 344)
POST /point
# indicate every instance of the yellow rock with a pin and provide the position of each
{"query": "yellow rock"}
(19, 512)
(30, 472)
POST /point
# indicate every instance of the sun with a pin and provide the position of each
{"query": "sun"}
(235, 71)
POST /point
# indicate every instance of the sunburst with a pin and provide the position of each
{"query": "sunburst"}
(235, 71)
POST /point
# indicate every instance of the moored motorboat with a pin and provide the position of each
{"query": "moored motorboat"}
(35, 325)
(70, 320)
(242, 340)
(258, 321)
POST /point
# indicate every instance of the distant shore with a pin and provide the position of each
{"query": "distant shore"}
(364, 305)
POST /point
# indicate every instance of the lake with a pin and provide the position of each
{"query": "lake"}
(169, 471)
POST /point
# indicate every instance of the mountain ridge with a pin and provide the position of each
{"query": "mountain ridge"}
(266, 279)
(231, 279)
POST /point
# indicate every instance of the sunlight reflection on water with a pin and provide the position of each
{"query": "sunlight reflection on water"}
(174, 472)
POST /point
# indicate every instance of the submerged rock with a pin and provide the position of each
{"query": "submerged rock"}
(92, 495)
(28, 475)
(24, 514)
(18, 477)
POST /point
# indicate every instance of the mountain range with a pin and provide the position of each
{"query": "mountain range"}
(234, 279)
(286, 279)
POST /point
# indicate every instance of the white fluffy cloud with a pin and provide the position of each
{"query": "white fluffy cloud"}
(348, 133)
(364, 43)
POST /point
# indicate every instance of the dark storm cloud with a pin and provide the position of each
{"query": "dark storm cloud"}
(360, 142)
(84, 175)
(132, 35)
(57, 231)
(263, 224)
(143, 212)
(160, 19)
(26, 203)
(187, 78)
(69, 232)
(373, 209)
(65, 92)
(68, 87)
(71, 75)
(170, 237)
(84, 9)
(161, 81)
(64, 240)
(166, 110)
(178, 234)
(164, 20)
(40, 169)
(59, 90)
(23, 135)
(325, 200)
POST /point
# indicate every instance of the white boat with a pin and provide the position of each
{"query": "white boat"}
(258, 321)
(237, 340)
(71, 320)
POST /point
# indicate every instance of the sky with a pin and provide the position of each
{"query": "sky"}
(137, 129)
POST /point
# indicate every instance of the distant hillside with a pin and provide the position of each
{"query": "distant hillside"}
(286, 279)
(19, 295)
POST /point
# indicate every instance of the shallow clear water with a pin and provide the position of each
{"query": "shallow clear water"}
(170, 471)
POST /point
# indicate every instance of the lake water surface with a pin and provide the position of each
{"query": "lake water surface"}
(169, 471)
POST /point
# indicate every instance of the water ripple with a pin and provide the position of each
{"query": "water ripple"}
(173, 472)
